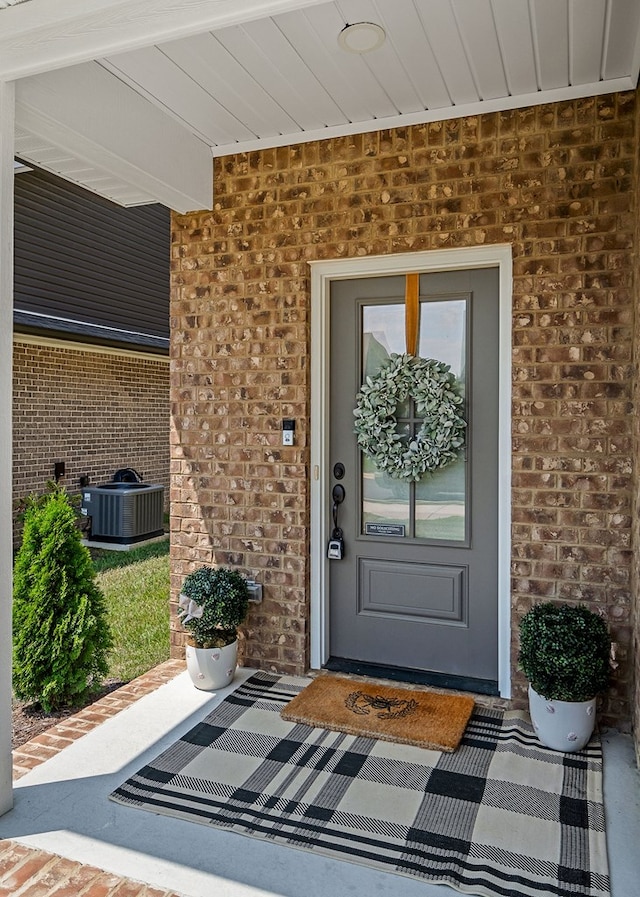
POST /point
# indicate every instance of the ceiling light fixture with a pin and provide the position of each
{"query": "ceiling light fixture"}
(361, 37)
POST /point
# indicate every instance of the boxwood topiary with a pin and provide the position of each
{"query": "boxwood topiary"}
(213, 603)
(565, 651)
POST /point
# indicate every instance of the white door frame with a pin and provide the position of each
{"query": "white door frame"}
(322, 273)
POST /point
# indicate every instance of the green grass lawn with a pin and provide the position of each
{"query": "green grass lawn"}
(136, 587)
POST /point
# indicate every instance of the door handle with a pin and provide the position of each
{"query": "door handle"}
(335, 549)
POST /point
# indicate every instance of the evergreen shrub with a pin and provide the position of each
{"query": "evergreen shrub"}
(61, 634)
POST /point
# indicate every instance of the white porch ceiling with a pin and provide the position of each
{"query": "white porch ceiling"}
(284, 78)
(270, 73)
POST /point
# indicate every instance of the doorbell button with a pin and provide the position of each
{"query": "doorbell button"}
(288, 431)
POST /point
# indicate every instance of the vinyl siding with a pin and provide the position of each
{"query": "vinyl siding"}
(88, 267)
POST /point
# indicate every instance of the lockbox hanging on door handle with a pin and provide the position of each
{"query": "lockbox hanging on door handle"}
(335, 548)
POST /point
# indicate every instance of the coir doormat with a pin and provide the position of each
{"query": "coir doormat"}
(424, 718)
(500, 817)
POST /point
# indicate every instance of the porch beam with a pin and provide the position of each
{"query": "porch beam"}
(40, 36)
(90, 115)
(7, 118)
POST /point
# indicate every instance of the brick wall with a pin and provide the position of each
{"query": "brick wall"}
(557, 183)
(635, 535)
(94, 411)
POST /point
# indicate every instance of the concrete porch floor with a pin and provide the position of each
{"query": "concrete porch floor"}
(64, 838)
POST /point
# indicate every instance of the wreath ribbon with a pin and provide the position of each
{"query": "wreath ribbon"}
(412, 313)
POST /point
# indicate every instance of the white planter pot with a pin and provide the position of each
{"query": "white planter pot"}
(562, 725)
(212, 668)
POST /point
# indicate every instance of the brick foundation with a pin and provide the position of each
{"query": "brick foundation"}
(557, 182)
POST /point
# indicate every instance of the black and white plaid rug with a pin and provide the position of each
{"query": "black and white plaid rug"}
(501, 816)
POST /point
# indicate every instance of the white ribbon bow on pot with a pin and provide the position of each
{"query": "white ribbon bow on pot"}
(191, 610)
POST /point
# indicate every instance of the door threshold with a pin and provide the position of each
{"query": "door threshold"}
(416, 677)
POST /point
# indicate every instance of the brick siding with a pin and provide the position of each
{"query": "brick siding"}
(556, 182)
(94, 411)
(635, 535)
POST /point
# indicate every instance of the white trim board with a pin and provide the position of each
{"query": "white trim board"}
(404, 120)
(52, 342)
(322, 273)
(7, 116)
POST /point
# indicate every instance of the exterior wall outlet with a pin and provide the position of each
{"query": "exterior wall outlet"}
(255, 591)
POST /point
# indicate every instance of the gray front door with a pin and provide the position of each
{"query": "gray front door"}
(417, 589)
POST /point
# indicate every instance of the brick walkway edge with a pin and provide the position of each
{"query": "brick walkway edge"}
(60, 736)
(26, 872)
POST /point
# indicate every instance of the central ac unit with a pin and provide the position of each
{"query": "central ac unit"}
(124, 512)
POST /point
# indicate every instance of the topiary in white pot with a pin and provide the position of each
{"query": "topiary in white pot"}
(213, 603)
(565, 654)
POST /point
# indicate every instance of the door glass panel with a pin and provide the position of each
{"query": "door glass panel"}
(434, 508)
(440, 505)
(385, 500)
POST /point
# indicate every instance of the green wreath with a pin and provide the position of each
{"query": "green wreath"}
(437, 395)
